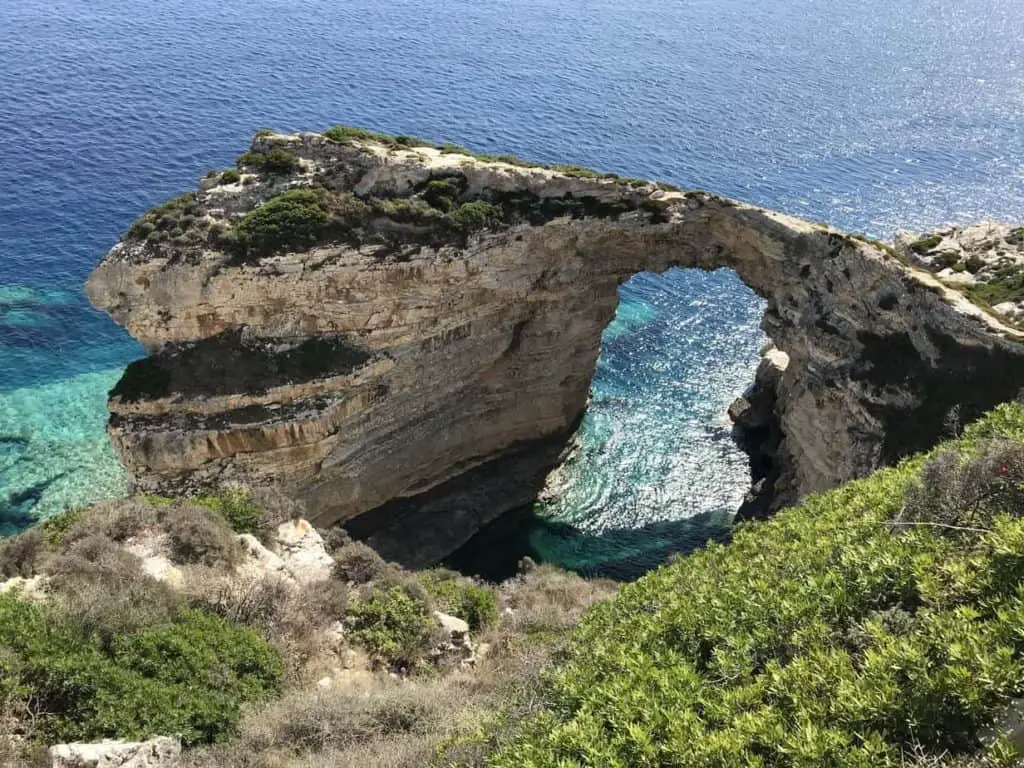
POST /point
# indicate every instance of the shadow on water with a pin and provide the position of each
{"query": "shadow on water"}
(623, 554)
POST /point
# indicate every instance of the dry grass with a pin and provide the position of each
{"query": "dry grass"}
(200, 536)
(22, 555)
(96, 583)
(357, 563)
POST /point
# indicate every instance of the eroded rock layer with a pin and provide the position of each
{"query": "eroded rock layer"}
(415, 333)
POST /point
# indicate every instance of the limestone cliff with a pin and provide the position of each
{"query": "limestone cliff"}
(407, 333)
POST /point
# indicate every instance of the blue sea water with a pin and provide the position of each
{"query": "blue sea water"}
(873, 116)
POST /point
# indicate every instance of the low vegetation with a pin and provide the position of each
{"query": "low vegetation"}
(925, 244)
(178, 223)
(1003, 283)
(879, 624)
(108, 651)
(876, 622)
(273, 162)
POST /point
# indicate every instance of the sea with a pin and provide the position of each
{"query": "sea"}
(873, 116)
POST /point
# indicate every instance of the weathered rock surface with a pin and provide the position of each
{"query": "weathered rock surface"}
(161, 752)
(449, 373)
(986, 260)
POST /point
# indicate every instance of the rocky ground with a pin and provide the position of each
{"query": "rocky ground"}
(985, 261)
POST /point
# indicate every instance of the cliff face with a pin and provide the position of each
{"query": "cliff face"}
(413, 341)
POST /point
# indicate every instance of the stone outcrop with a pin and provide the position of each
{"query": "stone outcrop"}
(413, 365)
(161, 752)
(986, 261)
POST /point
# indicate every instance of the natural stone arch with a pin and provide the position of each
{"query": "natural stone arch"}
(454, 373)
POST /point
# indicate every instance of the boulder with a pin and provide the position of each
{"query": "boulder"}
(160, 752)
(303, 552)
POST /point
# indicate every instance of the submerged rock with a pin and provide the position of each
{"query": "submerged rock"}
(414, 365)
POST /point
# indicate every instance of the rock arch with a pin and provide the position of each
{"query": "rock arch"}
(393, 383)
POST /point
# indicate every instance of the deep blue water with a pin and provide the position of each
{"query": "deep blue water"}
(874, 116)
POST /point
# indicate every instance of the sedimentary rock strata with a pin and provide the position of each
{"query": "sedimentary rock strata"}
(407, 343)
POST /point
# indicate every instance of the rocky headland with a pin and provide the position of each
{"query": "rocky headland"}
(403, 335)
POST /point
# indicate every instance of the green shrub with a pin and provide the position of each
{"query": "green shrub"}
(347, 134)
(277, 161)
(163, 217)
(358, 563)
(344, 134)
(56, 528)
(818, 638)
(392, 626)
(189, 677)
(475, 216)
(294, 219)
(230, 176)
(236, 505)
(922, 245)
(476, 604)
(442, 193)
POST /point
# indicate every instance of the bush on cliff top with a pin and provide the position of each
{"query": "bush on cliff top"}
(846, 632)
(295, 219)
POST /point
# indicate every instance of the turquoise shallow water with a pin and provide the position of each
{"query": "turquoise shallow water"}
(873, 116)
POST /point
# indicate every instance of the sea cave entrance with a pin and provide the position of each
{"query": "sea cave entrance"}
(654, 467)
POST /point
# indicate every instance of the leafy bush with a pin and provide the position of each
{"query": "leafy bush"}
(392, 625)
(294, 219)
(922, 245)
(236, 505)
(163, 217)
(189, 677)
(200, 535)
(230, 176)
(358, 563)
(818, 638)
(56, 528)
(346, 134)
(475, 216)
(442, 193)
(276, 161)
(476, 604)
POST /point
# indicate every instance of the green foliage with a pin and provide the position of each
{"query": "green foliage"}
(442, 193)
(828, 636)
(392, 625)
(922, 245)
(165, 217)
(475, 216)
(277, 161)
(347, 134)
(230, 176)
(237, 506)
(1005, 284)
(476, 604)
(294, 219)
(55, 528)
(189, 677)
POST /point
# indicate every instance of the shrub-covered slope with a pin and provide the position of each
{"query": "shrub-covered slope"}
(875, 622)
